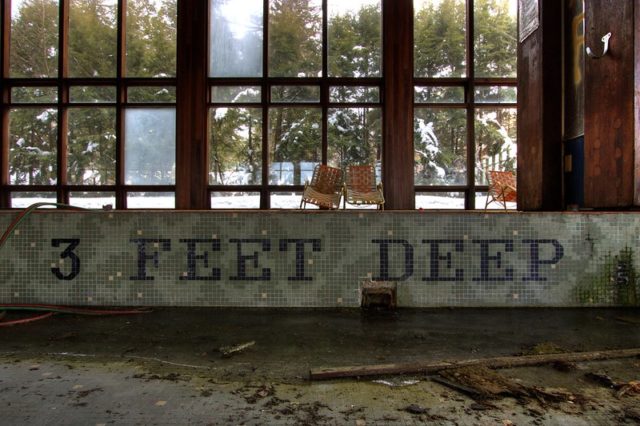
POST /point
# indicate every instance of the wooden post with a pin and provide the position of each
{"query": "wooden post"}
(397, 152)
(191, 104)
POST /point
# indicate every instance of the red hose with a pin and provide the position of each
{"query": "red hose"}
(54, 309)
(73, 310)
(25, 320)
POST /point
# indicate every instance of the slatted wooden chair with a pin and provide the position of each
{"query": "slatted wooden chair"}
(360, 187)
(325, 188)
(502, 188)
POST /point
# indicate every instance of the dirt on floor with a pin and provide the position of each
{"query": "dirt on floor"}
(246, 368)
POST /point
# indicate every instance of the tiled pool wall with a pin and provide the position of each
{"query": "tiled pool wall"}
(320, 259)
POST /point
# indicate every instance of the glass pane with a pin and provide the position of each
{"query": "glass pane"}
(150, 146)
(354, 137)
(295, 144)
(439, 140)
(496, 141)
(151, 38)
(26, 95)
(439, 38)
(151, 200)
(495, 38)
(496, 94)
(92, 146)
(235, 200)
(235, 38)
(236, 94)
(235, 146)
(150, 94)
(444, 95)
(292, 94)
(440, 200)
(92, 38)
(288, 200)
(354, 38)
(33, 134)
(295, 38)
(22, 200)
(92, 94)
(354, 94)
(34, 38)
(92, 200)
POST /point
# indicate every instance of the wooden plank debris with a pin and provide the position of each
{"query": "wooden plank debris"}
(494, 362)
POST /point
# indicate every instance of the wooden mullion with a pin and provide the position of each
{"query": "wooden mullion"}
(265, 195)
(324, 88)
(470, 199)
(121, 97)
(5, 17)
(63, 99)
(437, 81)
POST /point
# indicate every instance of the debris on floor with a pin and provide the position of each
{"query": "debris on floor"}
(229, 351)
(396, 382)
(622, 388)
(544, 348)
(482, 383)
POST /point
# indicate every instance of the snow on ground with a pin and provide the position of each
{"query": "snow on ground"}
(243, 201)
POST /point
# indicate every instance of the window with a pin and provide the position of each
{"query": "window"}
(91, 117)
(465, 98)
(104, 103)
(295, 84)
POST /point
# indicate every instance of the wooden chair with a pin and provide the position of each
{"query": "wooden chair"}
(502, 188)
(325, 188)
(360, 187)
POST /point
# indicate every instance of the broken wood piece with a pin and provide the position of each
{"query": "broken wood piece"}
(632, 388)
(495, 362)
(228, 351)
(602, 379)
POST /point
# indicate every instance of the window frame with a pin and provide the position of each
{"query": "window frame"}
(193, 102)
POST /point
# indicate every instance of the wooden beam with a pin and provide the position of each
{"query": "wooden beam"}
(191, 104)
(495, 362)
(397, 151)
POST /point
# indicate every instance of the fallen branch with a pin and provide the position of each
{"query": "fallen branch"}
(495, 362)
(228, 351)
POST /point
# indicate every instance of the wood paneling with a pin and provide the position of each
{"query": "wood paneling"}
(398, 152)
(636, 97)
(609, 105)
(540, 113)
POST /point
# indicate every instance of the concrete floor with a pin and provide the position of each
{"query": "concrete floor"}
(165, 367)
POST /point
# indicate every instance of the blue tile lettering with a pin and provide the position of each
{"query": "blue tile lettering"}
(67, 253)
(485, 258)
(315, 246)
(243, 258)
(384, 260)
(436, 257)
(192, 259)
(535, 261)
(165, 245)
